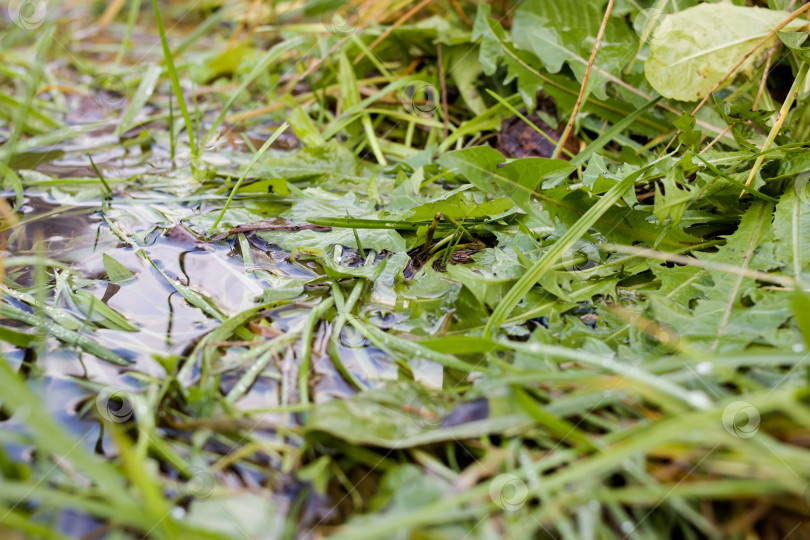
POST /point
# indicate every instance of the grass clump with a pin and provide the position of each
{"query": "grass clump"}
(437, 270)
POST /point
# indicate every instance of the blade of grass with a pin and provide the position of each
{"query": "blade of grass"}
(253, 161)
(305, 364)
(64, 335)
(767, 277)
(142, 94)
(22, 112)
(178, 90)
(798, 82)
(132, 18)
(100, 176)
(582, 91)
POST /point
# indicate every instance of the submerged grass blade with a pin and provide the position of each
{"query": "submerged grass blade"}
(69, 337)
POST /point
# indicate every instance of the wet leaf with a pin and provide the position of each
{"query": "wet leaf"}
(791, 227)
(63, 334)
(475, 164)
(237, 513)
(98, 311)
(400, 417)
(116, 272)
(693, 49)
(521, 179)
(15, 338)
(378, 240)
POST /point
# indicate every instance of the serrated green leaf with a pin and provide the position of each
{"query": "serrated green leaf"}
(563, 32)
(791, 227)
(521, 179)
(553, 254)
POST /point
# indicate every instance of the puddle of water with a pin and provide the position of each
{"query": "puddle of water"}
(168, 324)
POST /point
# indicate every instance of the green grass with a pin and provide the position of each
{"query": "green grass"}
(327, 299)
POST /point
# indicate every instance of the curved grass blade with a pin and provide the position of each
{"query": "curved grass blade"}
(253, 161)
(615, 130)
(415, 349)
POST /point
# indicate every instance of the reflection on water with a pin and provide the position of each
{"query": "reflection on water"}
(168, 325)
